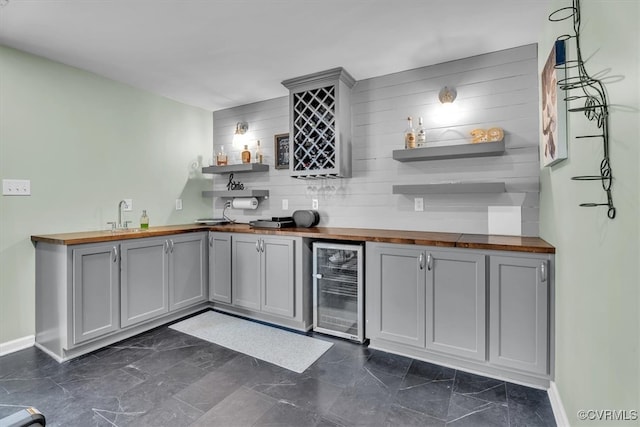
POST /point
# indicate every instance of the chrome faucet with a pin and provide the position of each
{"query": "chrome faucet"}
(120, 206)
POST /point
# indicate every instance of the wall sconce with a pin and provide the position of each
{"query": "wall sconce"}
(239, 134)
(447, 96)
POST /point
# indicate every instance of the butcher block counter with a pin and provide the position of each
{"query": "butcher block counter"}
(428, 238)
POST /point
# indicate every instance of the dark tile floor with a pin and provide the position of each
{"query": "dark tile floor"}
(166, 378)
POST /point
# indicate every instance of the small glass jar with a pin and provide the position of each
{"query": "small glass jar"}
(221, 157)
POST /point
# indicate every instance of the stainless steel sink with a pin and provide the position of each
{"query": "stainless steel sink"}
(126, 230)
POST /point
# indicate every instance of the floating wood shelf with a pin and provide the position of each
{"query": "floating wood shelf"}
(236, 193)
(481, 149)
(451, 188)
(241, 167)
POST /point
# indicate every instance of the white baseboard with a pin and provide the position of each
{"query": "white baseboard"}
(556, 404)
(15, 345)
(49, 352)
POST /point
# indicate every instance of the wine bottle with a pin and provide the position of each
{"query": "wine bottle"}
(409, 135)
(421, 137)
(258, 158)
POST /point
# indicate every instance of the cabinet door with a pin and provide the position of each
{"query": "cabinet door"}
(278, 272)
(245, 271)
(96, 291)
(187, 270)
(519, 313)
(220, 267)
(395, 293)
(145, 280)
(456, 314)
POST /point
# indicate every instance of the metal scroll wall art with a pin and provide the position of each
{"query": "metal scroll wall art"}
(591, 92)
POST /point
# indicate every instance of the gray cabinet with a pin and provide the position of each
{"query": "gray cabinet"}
(395, 294)
(487, 311)
(220, 267)
(427, 298)
(187, 270)
(263, 269)
(320, 124)
(92, 295)
(456, 313)
(145, 279)
(245, 271)
(162, 274)
(96, 291)
(519, 312)
(277, 267)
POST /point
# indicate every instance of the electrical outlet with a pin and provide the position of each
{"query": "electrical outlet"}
(314, 204)
(16, 187)
(418, 204)
(178, 204)
(128, 205)
(285, 204)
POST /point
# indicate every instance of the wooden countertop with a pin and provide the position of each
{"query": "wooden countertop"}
(427, 238)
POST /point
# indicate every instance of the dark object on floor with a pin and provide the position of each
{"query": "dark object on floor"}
(23, 418)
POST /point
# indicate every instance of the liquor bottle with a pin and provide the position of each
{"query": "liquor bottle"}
(246, 155)
(421, 137)
(258, 158)
(409, 135)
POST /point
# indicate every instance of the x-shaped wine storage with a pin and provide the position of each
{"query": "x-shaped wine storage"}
(320, 124)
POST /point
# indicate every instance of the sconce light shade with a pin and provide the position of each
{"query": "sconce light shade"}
(238, 135)
(447, 95)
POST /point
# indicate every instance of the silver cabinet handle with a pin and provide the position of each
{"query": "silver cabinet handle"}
(258, 245)
(211, 241)
(421, 261)
(261, 245)
(318, 276)
(115, 254)
(165, 245)
(171, 245)
(543, 272)
(429, 261)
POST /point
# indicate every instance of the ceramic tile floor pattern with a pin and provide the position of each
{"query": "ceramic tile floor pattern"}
(166, 378)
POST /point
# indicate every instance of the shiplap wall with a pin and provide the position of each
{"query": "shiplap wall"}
(494, 89)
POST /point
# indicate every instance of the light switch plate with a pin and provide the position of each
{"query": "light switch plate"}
(314, 204)
(128, 205)
(178, 204)
(16, 187)
(285, 204)
(418, 204)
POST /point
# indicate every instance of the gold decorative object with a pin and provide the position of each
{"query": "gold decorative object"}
(482, 135)
(478, 135)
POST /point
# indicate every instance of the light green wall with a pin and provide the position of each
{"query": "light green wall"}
(86, 142)
(597, 277)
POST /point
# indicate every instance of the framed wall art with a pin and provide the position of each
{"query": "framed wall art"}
(554, 106)
(281, 151)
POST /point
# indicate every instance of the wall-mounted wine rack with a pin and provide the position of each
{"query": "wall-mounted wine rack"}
(591, 92)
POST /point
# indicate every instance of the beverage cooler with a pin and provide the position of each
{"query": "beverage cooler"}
(338, 286)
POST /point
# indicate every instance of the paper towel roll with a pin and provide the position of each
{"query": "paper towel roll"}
(245, 203)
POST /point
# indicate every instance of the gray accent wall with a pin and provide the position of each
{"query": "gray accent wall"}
(498, 89)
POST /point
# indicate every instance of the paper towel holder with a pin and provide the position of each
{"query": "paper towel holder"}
(245, 203)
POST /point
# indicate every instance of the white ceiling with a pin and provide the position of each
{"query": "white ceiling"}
(217, 54)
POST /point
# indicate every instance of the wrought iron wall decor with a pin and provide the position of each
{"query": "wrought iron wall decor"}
(591, 92)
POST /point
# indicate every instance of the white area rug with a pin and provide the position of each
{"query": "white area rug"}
(286, 349)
